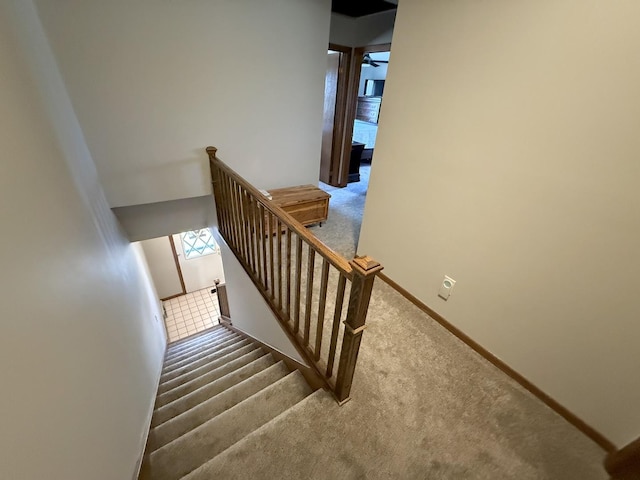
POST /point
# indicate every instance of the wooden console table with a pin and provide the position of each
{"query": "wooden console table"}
(305, 203)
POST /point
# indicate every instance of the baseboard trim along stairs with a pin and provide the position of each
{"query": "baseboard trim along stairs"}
(216, 388)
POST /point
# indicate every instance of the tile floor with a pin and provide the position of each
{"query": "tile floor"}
(191, 313)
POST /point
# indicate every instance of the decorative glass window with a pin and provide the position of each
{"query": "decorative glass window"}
(198, 243)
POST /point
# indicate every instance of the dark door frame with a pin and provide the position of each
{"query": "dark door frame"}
(338, 173)
(346, 103)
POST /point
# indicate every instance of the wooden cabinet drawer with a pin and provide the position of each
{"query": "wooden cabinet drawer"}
(305, 203)
(310, 212)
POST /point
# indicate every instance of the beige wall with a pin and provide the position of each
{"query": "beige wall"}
(81, 335)
(154, 83)
(507, 158)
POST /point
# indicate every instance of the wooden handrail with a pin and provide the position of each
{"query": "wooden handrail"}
(261, 235)
(338, 261)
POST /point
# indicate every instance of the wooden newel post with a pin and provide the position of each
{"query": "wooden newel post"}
(364, 273)
(212, 152)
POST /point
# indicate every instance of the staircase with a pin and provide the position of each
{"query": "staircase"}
(216, 388)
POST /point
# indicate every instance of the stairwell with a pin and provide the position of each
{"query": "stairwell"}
(216, 388)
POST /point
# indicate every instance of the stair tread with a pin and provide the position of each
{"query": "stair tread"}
(203, 359)
(207, 345)
(195, 341)
(194, 349)
(227, 363)
(226, 463)
(201, 444)
(182, 404)
(203, 367)
(178, 343)
(215, 405)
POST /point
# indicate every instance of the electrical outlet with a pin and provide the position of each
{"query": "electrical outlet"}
(445, 289)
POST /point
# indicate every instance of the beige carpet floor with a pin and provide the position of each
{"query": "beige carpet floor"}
(424, 406)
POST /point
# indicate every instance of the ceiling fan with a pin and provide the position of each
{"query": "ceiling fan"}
(367, 60)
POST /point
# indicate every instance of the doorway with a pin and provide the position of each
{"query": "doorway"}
(354, 89)
(185, 268)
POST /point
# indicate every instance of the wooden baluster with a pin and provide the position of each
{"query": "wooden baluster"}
(224, 206)
(307, 313)
(229, 208)
(296, 301)
(215, 182)
(322, 300)
(234, 217)
(288, 267)
(263, 233)
(364, 273)
(243, 226)
(279, 249)
(255, 225)
(243, 252)
(270, 221)
(246, 234)
(249, 227)
(337, 313)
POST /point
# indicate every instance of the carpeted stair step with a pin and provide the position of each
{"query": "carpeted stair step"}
(205, 411)
(192, 348)
(293, 426)
(191, 400)
(201, 357)
(180, 345)
(197, 352)
(220, 367)
(192, 450)
(200, 368)
(195, 343)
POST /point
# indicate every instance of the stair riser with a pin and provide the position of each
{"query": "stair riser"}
(200, 367)
(202, 380)
(184, 403)
(203, 351)
(194, 344)
(249, 384)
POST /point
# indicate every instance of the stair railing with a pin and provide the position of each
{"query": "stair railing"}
(279, 255)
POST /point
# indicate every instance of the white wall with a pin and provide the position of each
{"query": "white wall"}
(372, 73)
(81, 337)
(507, 158)
(153, 220)
(154, 83)
(249, 311)
(162, 266)
(373, 29)
(343, 30)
